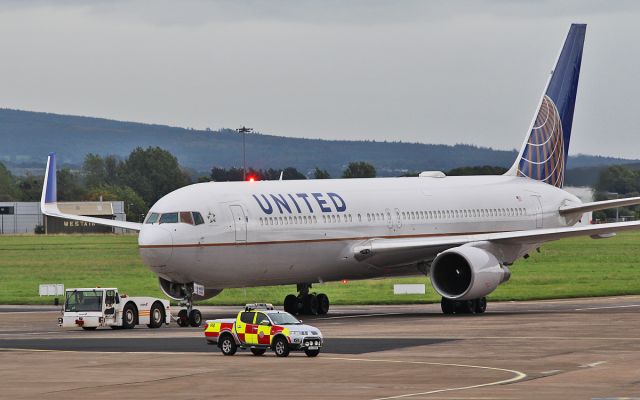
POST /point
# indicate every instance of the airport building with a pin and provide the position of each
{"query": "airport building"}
(25, 217)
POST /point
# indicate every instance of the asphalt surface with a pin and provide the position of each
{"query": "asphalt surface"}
(578, 348)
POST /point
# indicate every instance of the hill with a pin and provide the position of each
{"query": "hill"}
(27, 137)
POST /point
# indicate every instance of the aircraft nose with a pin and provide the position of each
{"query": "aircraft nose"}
(155, 245)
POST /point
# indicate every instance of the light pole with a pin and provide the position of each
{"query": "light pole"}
(244, 130)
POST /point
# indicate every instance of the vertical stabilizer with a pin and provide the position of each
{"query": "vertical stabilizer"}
(543, 156)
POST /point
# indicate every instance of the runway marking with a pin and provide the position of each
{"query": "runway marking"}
(518, 376)
(607, 307)
(593, 364)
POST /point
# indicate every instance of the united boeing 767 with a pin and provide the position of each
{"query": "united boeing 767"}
(462, 232)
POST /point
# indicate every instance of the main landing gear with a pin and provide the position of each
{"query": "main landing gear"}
(189, 316)
(475, 306)
(306, 303)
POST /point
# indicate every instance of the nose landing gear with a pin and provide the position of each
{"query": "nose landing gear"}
(189, 316)
(306, 303)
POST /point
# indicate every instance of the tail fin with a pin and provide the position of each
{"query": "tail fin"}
(50, 189)
(543, 156)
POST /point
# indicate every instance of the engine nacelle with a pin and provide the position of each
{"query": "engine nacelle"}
(466, 273)
(175, 291)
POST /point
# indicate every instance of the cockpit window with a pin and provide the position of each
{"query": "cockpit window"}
(153, 218)
(198, 218)
(169, 218)
(185, 217)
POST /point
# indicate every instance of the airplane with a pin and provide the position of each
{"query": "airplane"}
(463, 232)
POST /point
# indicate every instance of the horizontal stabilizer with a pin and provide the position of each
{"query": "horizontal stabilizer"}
(599, 205)
(49, 202)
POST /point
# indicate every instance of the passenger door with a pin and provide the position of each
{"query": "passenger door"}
(240, 223)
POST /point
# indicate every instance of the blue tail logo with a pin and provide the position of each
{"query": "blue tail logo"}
(544, 154)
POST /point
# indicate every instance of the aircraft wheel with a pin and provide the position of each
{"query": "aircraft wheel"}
(195, 318)
(323, 304)
(467, 306)
(183, 318)
(291, 304)
(448, 306)
(481, 305)
(310, 304)
(89, 328)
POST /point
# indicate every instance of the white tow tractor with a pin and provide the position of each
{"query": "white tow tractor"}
(90, 308)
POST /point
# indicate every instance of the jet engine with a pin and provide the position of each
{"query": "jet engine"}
(466, 273)
(176, 290)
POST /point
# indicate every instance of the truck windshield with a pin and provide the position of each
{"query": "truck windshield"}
(83, 300)
(284, 319)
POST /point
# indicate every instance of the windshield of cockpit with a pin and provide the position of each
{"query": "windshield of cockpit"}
(184, 217)
(83, 300)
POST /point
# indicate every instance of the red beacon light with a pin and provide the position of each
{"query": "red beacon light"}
(251, 178)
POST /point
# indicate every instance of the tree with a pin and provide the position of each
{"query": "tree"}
(152, 173)
(94, 171)
(321, 174)
(359, 169)
(8, 189)
(30, 187)
(69, 186)
(134, 205)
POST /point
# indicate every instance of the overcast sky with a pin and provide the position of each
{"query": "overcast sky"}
(426, 71)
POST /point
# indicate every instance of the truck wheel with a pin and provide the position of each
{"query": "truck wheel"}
(129, 316)
(311, 353)
(258, 352)
(281, 347)
(323, 304)
(89, 328)
(228, 346)
(291, 304)
(195, 318)
(183, 318)
(156, 316)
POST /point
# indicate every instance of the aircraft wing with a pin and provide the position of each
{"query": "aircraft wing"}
(599, 205)
(49, 204)
(388, 250)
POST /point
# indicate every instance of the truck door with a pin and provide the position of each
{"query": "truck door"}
(263, 325)
(111, 301)
(244, 326)
(240, 223)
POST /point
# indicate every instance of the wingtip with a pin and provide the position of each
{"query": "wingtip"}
(50, 186)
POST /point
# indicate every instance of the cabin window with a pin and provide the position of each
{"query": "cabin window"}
(169, 218)
(153, 218)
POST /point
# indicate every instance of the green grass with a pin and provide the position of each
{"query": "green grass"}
(579, 267)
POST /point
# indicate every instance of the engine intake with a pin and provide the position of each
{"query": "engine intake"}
(176, 291)
(466, 272)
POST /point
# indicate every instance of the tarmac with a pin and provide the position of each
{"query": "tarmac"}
(560, 349)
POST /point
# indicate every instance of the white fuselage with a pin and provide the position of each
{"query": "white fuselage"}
(287, 232)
